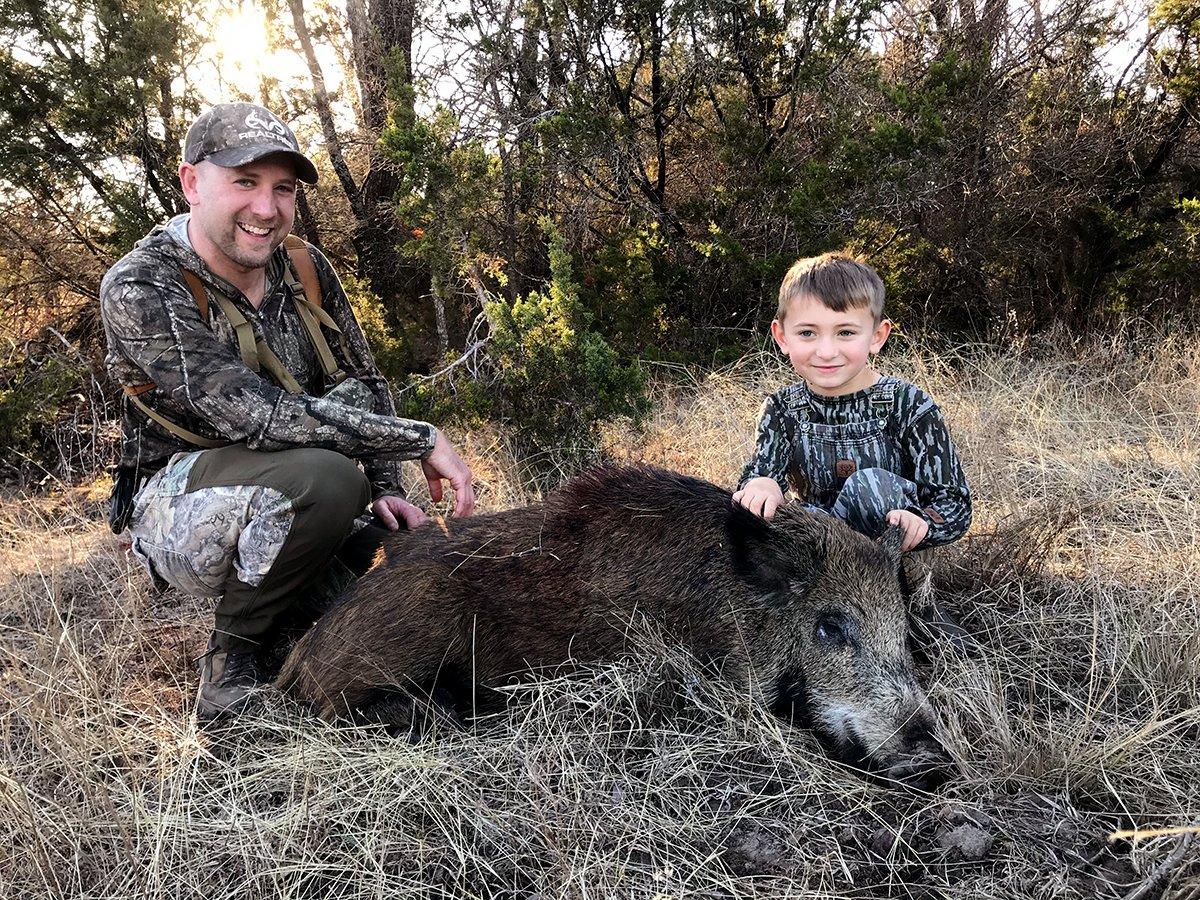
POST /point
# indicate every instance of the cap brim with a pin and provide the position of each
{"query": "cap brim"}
(240, 156)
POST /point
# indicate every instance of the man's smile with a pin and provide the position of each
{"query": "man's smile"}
(254, 230)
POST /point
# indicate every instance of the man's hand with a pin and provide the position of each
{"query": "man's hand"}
(761, 496)
(391, 510)
(914, 527)
(445, 463)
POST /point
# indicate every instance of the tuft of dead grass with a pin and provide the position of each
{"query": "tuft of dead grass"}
(1078, 717)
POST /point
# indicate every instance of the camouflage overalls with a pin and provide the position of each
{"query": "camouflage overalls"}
(861, 455)
(252, 522)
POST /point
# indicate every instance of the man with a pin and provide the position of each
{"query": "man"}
(247, 400)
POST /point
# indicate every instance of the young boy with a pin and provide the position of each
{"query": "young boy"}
(870, 449)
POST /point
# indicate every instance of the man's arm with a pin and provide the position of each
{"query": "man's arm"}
(156, 325)
(384, 472)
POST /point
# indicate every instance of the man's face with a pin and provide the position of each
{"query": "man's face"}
(830, 350)
(244, 213)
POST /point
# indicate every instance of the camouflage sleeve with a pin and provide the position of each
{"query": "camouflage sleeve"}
(384, 472)
(932, 462)
(154, 322)
(772, 446)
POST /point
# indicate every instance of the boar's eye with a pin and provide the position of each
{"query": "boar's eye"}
(833, 630)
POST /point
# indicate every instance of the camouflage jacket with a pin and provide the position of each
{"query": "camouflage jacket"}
(155, 333)
(802, 437)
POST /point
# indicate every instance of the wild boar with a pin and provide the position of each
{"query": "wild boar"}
(802, 611)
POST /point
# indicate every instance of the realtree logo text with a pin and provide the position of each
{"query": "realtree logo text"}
(257, 122)
(270, 129)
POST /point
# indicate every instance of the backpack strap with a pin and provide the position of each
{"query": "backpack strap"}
(134, 391)
(242, 329)
(178, 430)
(300, 276)
(305, 288)
(306, 270)
(199, 294)
(254, 350)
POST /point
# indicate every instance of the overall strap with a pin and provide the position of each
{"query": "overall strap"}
(883, 405)
(883, 396)
(798, 401)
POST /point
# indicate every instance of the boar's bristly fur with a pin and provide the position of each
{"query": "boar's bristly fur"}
(802, 611)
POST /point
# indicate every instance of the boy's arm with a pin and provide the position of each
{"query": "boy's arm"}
(772, 446)
(932, 462)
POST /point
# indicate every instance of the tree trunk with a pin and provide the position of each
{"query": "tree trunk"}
(324, 113)
(531, 261)
(381, 32)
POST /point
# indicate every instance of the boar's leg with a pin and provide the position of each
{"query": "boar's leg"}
(409, 715)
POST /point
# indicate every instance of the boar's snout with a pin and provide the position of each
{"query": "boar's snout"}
(921, 761)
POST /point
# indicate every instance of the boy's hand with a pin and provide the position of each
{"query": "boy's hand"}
(914, 527)
(761, 496)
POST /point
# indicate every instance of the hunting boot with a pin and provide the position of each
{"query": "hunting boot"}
(228, 679)
(928, 621)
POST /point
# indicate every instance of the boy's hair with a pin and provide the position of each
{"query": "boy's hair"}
(837, 280)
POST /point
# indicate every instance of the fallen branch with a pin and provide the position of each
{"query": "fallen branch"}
(467, 356)
(1163, 870)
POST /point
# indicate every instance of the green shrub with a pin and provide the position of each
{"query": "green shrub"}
(556, 377)
(389, 350)
(31, 396)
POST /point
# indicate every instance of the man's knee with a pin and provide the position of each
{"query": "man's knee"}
(329, 482)
(308, 476)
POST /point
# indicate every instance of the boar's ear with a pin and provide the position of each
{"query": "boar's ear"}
(778, 562)
(891, 541)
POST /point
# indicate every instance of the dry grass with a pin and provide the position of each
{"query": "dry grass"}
(1080, 715)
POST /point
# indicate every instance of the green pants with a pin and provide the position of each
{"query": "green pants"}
(253, 529)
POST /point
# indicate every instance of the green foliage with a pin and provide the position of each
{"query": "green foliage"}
(630, 287)
(466, 401)
(388, 349)
(88, 106)
(445, 186)
(908, 264)
(31, 397)
(557, 378)
(1001, 175)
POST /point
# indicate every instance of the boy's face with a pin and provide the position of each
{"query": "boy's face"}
(829, 349)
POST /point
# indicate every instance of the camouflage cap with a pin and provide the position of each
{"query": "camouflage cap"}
(233, 134)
